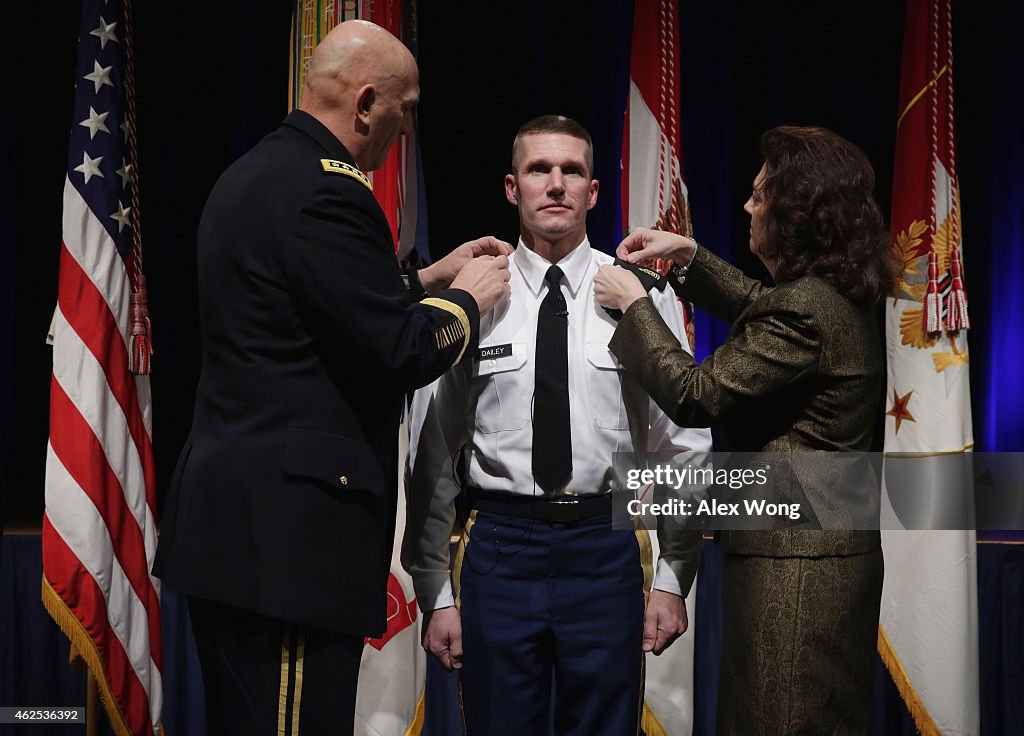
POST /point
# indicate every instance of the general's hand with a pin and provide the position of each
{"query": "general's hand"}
(442, 636)
(643, 243)
(664, 620)
(486, 280)
(617, 288)
(438, 276)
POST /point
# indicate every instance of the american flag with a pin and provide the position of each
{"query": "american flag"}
(99, 527)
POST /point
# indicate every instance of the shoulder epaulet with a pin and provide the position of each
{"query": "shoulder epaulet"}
(649, 278)
(332, 166)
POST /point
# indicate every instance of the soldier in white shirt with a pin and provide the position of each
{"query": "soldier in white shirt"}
(550, 613)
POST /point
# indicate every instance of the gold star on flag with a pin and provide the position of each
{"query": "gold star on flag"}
(899, 409)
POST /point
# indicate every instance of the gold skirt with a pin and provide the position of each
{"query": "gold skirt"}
(799, 644)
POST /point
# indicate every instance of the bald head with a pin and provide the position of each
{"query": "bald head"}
(362, 84)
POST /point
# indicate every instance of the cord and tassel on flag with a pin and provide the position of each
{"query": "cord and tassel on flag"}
(653, 190)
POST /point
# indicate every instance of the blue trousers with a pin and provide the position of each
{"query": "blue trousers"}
(552, 627)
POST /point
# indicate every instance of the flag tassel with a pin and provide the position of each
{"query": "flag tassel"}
(933, 299)
(957, 318)
(140, 346)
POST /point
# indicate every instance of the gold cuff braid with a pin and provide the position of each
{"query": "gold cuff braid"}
(451, 333)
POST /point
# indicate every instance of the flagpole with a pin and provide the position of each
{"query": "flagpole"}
(92, 705)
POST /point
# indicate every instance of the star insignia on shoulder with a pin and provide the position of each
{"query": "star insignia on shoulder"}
(333, 166)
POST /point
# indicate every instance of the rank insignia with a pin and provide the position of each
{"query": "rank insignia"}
(649, 279)
(331, 166)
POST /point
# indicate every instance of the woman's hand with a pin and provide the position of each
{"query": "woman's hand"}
(617, 288)
(643, 244)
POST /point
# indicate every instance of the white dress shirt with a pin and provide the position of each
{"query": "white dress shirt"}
(486, 403)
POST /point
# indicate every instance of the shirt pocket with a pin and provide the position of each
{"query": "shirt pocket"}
(604, 386)
(503, 388)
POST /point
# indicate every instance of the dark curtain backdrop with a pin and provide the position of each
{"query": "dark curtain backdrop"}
(212, 80)
(213, 84)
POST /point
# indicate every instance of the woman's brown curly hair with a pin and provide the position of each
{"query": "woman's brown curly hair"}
(821, 217)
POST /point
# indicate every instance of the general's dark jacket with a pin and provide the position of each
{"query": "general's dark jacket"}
(801, 371)
(283, 501)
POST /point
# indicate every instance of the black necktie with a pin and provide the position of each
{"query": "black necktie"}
(552, 440)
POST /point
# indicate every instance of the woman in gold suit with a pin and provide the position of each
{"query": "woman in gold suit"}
(801, 373)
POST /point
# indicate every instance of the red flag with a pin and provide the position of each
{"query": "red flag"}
(99, 530)
(388, 180)
(926, 202)
(654, 195)
(653, 191)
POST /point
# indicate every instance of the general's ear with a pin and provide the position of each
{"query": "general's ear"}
(364, 101)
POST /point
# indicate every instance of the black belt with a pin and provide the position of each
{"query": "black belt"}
(560, 509)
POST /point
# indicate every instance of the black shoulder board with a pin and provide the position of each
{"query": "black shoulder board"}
(649, 279)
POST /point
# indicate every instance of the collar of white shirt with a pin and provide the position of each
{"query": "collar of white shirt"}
(533, 267)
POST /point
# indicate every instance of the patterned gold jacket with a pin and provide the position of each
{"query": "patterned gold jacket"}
(800, 374)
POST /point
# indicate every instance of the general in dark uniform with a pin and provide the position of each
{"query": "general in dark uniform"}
(281, 514)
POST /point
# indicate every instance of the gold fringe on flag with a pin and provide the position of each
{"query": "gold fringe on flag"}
(926, 726)
(85, 648)
(649, 723)
(416, 727)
